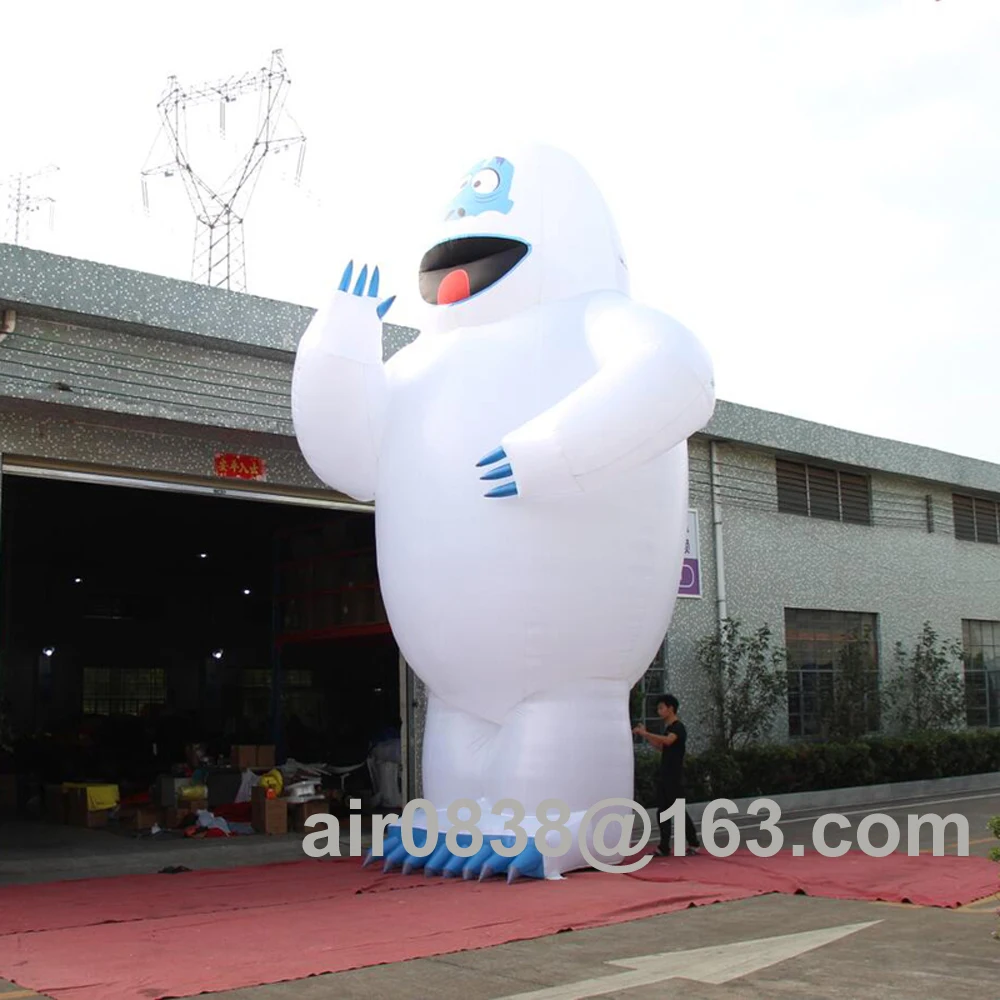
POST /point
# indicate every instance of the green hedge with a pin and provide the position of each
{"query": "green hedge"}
(811, 767)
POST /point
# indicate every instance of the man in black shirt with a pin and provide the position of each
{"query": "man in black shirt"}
(670, 781)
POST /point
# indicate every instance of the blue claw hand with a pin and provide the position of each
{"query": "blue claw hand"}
(493, 456)
(503, 472)
(507, 490)
(345, 281)
(359, 287)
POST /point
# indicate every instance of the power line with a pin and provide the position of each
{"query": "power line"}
(22, 202)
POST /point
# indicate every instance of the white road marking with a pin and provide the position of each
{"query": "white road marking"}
(716, 964)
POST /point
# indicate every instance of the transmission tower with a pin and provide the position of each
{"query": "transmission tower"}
(220, 210)
(21, 202)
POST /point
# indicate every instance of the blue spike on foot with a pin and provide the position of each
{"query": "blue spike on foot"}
(395, 858)
(384, 307)
(455, 865)
(474, 865)
(359, 288)
(530, 863)
(485, 863)
(389, 844)
(497, 865)
(438, 859)
(373, 287)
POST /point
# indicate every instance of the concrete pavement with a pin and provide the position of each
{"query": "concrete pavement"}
(891, 959)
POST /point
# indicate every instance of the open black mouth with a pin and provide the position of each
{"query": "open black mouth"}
(460, 268)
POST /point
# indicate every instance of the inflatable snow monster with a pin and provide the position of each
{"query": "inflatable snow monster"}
(527, 457)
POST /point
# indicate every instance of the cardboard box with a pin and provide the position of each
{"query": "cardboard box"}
(138, 818)
(8, 793)
(254, 756)
(243, 757)
(268, 816)
(55, 804)
(78, 813)
(165, 792)
(302, 811)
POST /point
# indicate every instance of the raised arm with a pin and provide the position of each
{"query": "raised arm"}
(654, 388)
(339, 388)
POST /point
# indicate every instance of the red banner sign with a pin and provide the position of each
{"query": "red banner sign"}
(240, 467)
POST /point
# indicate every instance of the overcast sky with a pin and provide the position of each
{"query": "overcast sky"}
(813, 187)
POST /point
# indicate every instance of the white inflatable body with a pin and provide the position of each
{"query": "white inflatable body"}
(527, 456)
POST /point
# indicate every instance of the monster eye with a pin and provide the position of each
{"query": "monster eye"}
(486, 182)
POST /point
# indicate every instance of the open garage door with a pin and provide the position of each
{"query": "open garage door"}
(143, 613)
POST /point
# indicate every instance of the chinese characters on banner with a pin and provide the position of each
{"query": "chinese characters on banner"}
(240, 467)
(691, 573)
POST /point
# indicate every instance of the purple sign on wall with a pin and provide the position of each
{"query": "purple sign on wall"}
(691, 572)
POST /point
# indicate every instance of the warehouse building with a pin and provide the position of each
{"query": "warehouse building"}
(172, 570)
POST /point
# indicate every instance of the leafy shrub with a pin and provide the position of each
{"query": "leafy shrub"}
(747, 680)
(811, 767)
(927, 690)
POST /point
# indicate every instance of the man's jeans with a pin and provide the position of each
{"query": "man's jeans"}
(667, 795)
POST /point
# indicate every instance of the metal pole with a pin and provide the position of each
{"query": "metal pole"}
(720, 561)
(277, 735)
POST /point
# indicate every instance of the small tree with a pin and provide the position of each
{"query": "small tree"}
(747, 681)
(852, 706)
(927, 690)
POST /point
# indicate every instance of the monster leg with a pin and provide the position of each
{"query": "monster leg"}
(456, 749)
(571, 744)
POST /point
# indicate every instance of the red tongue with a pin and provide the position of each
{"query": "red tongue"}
(453, 288)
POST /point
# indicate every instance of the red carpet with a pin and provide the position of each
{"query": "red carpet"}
(156, 936)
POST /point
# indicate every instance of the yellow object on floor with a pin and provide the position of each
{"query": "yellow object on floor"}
(98, 796)
(273, 780)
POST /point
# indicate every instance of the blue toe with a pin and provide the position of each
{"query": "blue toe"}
(441, 856)
(395, 858)
(530, 863)
(453, 869)
(485, 863)
(496, 865)
(474, 865)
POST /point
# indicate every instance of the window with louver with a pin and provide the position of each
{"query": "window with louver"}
(975, 519)
(816, 491)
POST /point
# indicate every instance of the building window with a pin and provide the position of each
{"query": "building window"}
(981, 642)
(651, 685)
(116, 691)
(975, 519)
(832, 673)
(830, 494)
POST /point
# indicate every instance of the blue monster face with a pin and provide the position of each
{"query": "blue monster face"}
(486, 188)
(461, 267)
